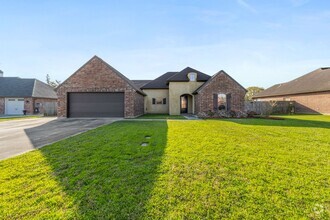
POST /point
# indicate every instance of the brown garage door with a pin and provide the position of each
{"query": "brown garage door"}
(86, 104)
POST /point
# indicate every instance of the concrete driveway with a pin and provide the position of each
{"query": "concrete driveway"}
(19, 136)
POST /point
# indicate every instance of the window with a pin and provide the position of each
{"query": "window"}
(164, 101)
(192, 76)
(221, 102)
(153, 101)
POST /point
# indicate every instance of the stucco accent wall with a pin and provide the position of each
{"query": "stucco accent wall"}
(158, 94)
(176, 89)
(306, 103)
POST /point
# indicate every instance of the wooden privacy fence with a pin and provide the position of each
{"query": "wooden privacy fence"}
(50, 108)
(270, 107)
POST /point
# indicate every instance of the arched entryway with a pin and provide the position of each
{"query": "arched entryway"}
(186, 104)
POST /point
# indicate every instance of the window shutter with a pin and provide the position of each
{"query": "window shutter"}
(215, 102)
(228, 100)
(164, 101)
(153, 101)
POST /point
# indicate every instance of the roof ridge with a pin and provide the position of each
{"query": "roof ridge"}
(122, 76)
(212, 77)
(112, 68)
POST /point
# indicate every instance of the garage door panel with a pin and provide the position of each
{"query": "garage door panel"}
(96, 104)
(14, 106)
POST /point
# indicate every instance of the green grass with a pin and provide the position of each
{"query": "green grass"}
(216, 169)
(18, 117)
(161, 116)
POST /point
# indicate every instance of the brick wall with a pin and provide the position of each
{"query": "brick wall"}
(306, 103)
(138, 104)
(97, 76)
(29, 106)
(42, 102)
(221, 83)
(2, 106)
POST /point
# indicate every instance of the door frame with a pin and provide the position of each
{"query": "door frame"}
(184, 98)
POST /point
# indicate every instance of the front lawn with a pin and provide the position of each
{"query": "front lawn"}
(217, 169)
(161, 116)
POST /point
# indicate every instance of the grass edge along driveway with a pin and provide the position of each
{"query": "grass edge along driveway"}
(2, 119)
(255, 169)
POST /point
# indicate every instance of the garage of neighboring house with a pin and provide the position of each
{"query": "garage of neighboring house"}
(14, 106)
(19, 95)
(99, 90)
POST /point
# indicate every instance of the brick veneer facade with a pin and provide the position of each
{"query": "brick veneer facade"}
(29, 104)
(2, 106)
(98, 76)
(315, 103)
(221, 83)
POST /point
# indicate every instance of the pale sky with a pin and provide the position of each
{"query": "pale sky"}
(259, 43)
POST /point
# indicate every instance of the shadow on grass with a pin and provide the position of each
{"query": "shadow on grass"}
(106, 171)
(287, 122)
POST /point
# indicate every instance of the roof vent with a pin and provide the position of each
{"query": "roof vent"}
(1, 73)
(325, 68)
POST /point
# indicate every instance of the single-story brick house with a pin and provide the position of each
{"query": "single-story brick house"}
(17, 94)
(99, 90)
(310, 92)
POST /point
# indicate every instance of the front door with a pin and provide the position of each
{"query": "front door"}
(184, 104)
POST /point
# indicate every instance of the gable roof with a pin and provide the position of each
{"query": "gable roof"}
(43, 90)
(213, 77)
(17, 87)
(160, 82)
(140, 83)
(110, 67)
(182, 76)
(315, 81)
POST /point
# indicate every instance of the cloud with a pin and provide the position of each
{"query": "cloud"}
(246, 5)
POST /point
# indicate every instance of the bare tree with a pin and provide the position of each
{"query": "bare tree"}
(52, 83)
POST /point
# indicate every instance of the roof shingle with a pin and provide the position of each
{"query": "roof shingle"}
(140, 83)
(160, 82)
(17, 87)
(315, 81)
(182, 76)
